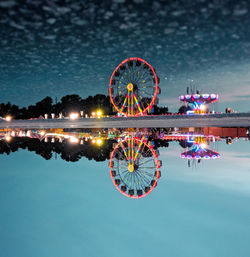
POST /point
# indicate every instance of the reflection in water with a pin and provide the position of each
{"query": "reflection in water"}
(132, 153)
(134, 167)
(199, 148)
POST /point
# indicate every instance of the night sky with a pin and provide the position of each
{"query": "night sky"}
(62, 47)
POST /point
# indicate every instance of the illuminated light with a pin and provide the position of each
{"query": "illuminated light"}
(8, 118)
(42, 133)
(196, 96)
(93, 141)
(73, 116)
(205, 96)
(8, 138)
(130, 87)
(130, 167)
(99, 141)
(99, 114)
(73, 140)
(187, 96)
(202, 107)
(190, 112)
(213, 96)
(93, 114)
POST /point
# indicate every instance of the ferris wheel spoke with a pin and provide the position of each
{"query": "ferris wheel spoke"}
(139, 181)
(131, 75)
(142, 73)
(144, 162)
(144, 178)
(148, 167)
(147, 87)
(144, 81)
(120, 81)
(146, 173)
(146, 93)
(120, 94)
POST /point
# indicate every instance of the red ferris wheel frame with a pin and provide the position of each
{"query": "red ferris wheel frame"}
(155, 91)
(154, 155)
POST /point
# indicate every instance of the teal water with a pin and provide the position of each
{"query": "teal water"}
(59, 209)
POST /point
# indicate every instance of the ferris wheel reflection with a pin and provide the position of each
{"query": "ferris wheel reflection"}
(134, 167)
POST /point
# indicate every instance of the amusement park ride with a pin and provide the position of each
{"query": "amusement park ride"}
(199, 148)
(134, 87)
(198, 103)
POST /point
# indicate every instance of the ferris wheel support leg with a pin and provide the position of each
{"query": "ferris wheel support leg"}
(124, 103)
(138, 150)
(124, 150)
(129, 104)
(138, 106)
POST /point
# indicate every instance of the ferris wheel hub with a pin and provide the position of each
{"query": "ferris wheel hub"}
(130, 167)
(130, 87)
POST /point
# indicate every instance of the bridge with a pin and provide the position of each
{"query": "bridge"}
(157, 121)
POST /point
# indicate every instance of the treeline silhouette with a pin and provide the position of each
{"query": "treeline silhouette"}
(67, 151)
(67, 104)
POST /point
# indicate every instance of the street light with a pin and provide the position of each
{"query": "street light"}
(99, 141)
(73, 140)
(99, 114)
(8, 118)
(73, 116)
(8, 138)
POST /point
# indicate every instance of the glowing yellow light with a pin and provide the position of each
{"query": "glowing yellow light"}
(130, 87)
(8, 138)
(42, 133)
(203, 145)
(73, 115)
(93, 141)
(130, 167)
(203, 107)
(99, 113)
(8, 118)
(99, 141)
(73, 140)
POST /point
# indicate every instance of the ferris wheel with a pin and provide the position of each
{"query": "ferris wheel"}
(134, 87)
(134, 167)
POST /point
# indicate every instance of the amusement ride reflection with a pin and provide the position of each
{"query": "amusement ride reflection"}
(133, 154)
(134, 167)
